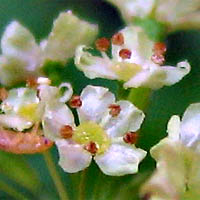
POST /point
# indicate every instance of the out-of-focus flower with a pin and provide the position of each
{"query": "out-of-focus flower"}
(25, 109)
(178, 14)
(136, 60)
(106, 131)
(178, 159)
(22, 57)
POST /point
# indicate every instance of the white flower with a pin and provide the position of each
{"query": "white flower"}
(133, 61)
(178, 14)
(103, 126)
(23, 57)
(178, 160)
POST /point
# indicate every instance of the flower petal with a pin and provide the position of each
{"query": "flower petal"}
(173, 128)
(73, 157)
(190, 126)
(95, 101)
(132, 8)
(120, 159)
(130, 118)
(55, 117)
(19, 43)
(68, 32)
(93, 66)
(15, 122)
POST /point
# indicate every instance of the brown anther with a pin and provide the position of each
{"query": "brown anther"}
(158, 59)
(102, 44)
(3, 94)
(147, 196)
(125, 53)
(114, 110)
(75, 102)
(66, 132)
(118, 39)
(131, 138)
(159, 48)
(31, 82)
(91, 147)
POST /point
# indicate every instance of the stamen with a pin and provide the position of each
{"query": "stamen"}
(158, 59)
(131, 138)
(31, 82)
(91, 147)
(102, 44)
(118, 39)
(66, 132)
(114, 110)
(75, 102)
(125, 54)
(159, 48)
(3, 94)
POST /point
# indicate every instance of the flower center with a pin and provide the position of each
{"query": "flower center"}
(125, 71)
(88, 132)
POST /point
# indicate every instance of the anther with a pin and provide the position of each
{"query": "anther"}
(158, 59)
(102, 44)
(31, 82)
(118, 39)
(66, 132)
(3, 94)
(125, 54)
(147, 196)
(75, 102)
(131, 138)
(159, 48)
(114, 110)
(91, 147)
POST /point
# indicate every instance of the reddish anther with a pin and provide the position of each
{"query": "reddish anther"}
(147, 196)
(125, 53)
(75, 102)
(131, 138)
(118, 39)
(114, 110)
(159, 48)
(66, 132)
(102, 44)
(31, 82)
(91, 147)
(158, 59)
(3, 94)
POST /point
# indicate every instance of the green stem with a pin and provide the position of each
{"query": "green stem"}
(82, 185)
(55, 176)
(11, 191)
(140, 97)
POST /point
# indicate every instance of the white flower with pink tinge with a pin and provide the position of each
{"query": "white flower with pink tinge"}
(107, 132)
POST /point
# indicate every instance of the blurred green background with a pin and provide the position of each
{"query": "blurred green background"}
(28, 175)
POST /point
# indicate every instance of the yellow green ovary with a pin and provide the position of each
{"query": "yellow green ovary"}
(91, 132)
(125, 71)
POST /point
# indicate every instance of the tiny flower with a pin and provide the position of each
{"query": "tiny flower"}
(99, 134)
(178, 160)
(23, 58)
(24, 110)
(179, 14)
(136, 60)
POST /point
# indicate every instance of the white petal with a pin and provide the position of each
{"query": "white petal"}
(68, 32)
(19, 43)
(14, 121)
(56, 115)
(93, 66)
(95, 101)
(73, 157)
(130, 118)
(173, 128)
(120, 159)
(68, 93)
(175, 74)
(131, 8)
(190, 126)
